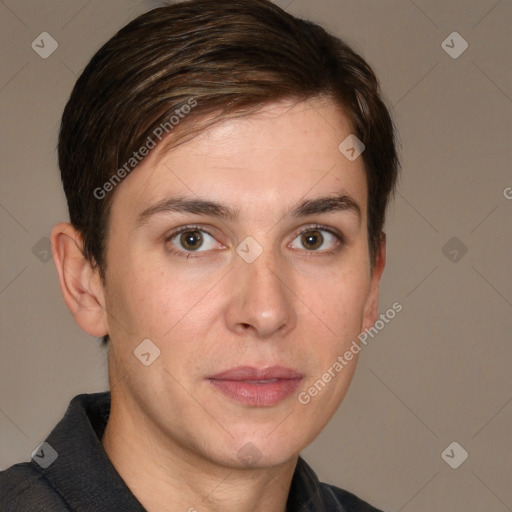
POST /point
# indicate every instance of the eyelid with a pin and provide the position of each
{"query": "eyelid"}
(311, 227)
(189, 227)
(338, 234)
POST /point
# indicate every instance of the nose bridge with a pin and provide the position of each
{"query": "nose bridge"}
(261, 298)
(266, 274)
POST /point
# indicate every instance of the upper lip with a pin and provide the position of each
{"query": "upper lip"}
(243, 373)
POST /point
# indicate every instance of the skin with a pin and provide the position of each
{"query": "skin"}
(172, 435)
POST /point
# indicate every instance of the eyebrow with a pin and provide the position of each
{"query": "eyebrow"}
(327, 204)
(200, 206)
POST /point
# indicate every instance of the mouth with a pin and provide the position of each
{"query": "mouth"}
(257, 387)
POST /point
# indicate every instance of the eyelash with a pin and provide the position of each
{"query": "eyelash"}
(184, 229)
(190, 254)
(314, 227)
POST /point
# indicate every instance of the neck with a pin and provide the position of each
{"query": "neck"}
(163, 475)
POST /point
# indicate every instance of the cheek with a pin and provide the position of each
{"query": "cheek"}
(150, 307)
(340, 300)
(160, 304)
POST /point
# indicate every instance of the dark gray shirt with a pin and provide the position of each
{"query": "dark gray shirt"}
(71, 472)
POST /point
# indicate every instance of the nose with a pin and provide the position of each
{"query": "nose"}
(262, 299)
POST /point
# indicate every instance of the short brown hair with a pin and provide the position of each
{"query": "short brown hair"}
(228, 56)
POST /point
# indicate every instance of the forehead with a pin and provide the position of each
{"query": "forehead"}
(282, 153)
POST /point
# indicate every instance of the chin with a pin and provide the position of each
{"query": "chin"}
(260, 451)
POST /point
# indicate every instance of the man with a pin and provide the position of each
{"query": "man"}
(227, 169)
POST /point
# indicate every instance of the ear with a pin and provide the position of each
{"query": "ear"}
(80, 283)
(371, 309)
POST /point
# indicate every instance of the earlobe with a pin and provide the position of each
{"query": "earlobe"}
(371, 310)
(80, 284)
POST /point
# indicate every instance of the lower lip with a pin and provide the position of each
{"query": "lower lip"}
(257, 395)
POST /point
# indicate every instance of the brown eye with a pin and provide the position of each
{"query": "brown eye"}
(191, 240)
(317, 239)
(312, 239)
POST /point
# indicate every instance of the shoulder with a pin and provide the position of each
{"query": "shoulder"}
(24, 489)
(350, 502)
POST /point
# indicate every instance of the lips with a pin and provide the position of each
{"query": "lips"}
(249, 373)
(257, 387)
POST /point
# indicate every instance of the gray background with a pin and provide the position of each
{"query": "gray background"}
(438, 373)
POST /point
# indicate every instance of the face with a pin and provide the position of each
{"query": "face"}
(242, 255)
